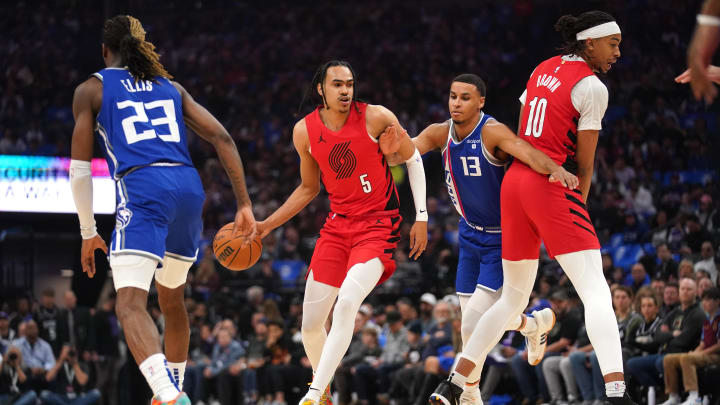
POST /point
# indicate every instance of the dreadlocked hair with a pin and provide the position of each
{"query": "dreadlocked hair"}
(569, 26)
(319, 78)
(125, 34)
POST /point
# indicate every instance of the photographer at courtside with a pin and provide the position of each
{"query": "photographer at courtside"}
(69, 381)
(13, 380)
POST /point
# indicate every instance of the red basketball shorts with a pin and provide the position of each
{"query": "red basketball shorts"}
(533, 209)
(347, 241)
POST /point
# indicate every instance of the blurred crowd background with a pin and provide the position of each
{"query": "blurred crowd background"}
(654, 199)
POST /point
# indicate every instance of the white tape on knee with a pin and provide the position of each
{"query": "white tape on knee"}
(173, 273)
(131, 270)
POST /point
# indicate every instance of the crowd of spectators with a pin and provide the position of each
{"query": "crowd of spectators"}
(654, 199)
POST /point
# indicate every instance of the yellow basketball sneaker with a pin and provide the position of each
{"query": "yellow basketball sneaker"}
(326, 398)
(181, 399)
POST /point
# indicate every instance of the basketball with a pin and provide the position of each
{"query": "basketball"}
(231, 253)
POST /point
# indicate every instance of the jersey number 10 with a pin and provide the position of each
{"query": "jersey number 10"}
(536, 117)
(168, 118)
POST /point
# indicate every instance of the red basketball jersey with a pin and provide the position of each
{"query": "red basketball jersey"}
(549, 120)
(353, 169)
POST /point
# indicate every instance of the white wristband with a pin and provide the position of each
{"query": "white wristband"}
(708, 20)
(416, 175)
(88, 233)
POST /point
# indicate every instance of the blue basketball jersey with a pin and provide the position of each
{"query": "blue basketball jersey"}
(473, 177)
(140, 122)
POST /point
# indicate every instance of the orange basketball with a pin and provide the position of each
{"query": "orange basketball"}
(231, 253)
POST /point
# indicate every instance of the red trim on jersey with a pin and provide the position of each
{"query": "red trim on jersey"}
(452, 176)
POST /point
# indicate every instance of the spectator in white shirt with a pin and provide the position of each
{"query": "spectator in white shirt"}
(707, 252)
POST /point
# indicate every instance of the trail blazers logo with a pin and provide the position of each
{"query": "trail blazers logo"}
(342, 160)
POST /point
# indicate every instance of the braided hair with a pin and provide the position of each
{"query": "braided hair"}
(125, 34)
(319, 78)
(569, 26)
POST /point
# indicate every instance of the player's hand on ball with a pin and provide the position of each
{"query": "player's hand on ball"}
(390, 140)
(87, 253)
(565, 178)
(418, 239)
(245, 225)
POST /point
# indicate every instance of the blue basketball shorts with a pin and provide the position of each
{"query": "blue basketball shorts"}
(159, 213)
(480, 262)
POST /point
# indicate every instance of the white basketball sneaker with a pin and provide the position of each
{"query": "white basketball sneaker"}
(471, 395)
(537, 340)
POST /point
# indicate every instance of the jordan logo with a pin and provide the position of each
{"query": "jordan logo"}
(321, 140)
(342, 160)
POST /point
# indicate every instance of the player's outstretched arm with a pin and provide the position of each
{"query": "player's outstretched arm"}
(304, 193)
(207, 127)
(87, 101)
(431, 138)
(379, 119)
(497, 135)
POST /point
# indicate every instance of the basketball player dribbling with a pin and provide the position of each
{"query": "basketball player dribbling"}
(563, 106)
(136, 109)
(476, 151)
(338, 143)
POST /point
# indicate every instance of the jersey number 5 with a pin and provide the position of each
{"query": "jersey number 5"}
(168, 118)
(536, 117)
(366, 186)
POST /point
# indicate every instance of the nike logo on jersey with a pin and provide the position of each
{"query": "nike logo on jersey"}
(421, 211)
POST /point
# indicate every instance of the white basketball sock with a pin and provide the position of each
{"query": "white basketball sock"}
(155, 370)
(615, 389)
(177, 370)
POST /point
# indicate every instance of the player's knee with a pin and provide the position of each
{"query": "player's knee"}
(173, 273)
(171, 301)
(345, 308)
(467, 327)
(311, 324)
(595, 297)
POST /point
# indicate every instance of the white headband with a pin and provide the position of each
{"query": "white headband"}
(599, 31)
